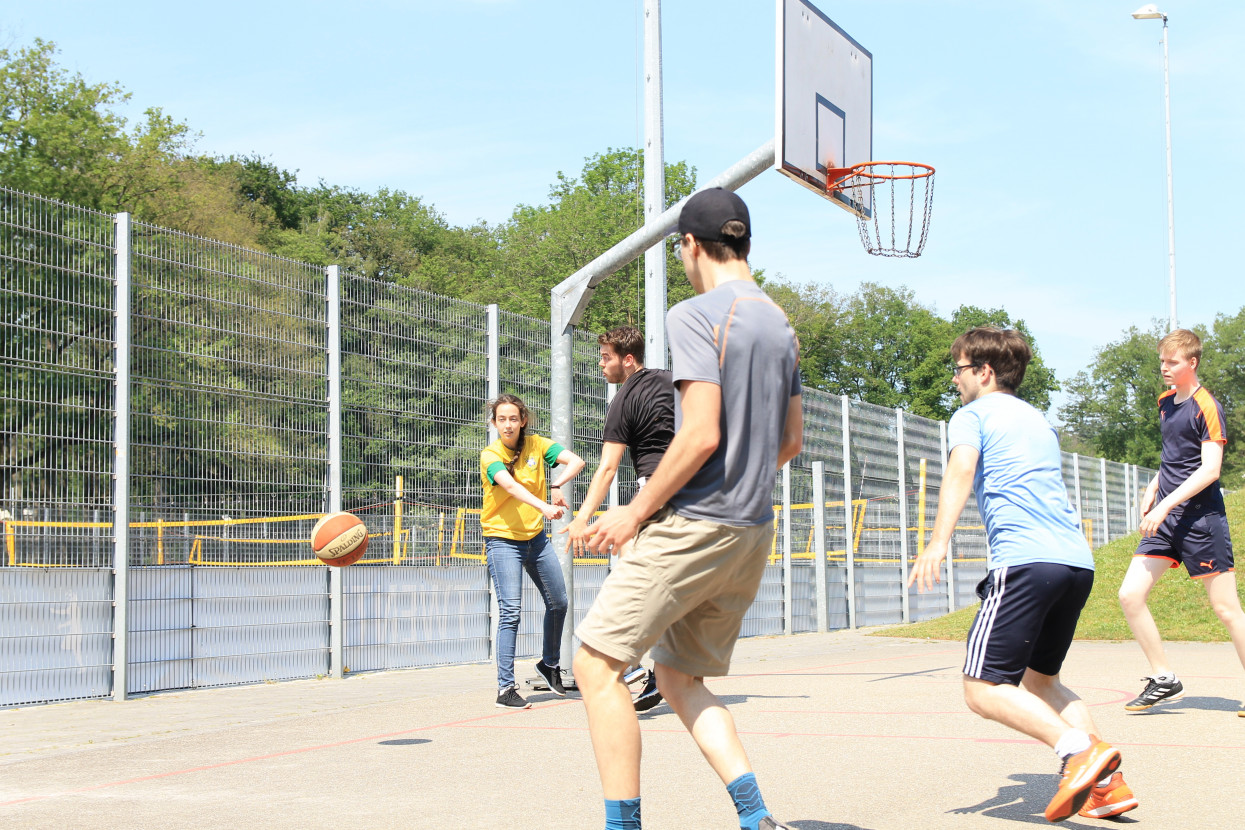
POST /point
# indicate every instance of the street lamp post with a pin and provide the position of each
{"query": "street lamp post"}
(1151, 12)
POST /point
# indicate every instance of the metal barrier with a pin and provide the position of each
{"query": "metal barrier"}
(170, 418)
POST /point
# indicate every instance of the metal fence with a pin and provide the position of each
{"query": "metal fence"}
(170, 421)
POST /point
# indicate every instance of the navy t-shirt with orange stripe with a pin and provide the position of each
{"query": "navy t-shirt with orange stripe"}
(1185, 427)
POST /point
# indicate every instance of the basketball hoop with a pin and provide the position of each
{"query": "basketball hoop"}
(880, 190)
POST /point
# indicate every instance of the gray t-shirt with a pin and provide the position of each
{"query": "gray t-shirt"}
(735, 336)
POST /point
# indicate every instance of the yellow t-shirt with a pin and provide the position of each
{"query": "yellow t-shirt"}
(503, 515)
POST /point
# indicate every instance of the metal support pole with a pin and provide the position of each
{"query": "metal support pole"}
(820, 582)
(1171, 206)
(942, 438)
(493, 382)
(121, 463)
(562, 343)
(1106, 503)
(654, 190)
(493, 367)
(788, 612)
(336, 594)
(849, 549)
(903, 516)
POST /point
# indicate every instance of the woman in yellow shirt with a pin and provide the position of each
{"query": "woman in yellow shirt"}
(512, 471)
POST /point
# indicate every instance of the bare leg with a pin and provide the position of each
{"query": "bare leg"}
(1016, 707)
(708, 721)
(612, 722)
(1221, 590)
(1060, 699)
(1142, 575)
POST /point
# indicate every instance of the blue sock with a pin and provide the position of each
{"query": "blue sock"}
(748, 802)
(623, 814)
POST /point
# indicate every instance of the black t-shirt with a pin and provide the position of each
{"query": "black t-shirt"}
(642, 417)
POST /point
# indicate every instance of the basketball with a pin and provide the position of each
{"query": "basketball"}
(339, 539)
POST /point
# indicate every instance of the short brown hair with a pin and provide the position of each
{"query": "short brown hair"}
(624, 340)
(735, 243)
(1004, 350)
(1184, 343)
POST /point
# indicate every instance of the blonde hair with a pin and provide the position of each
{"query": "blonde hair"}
(1184, 343)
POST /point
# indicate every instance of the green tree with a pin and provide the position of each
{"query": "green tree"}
(1222, 371)
(61, 138)
(1112, 403)
(1039, 380)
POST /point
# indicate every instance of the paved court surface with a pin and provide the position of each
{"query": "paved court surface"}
(845, 731)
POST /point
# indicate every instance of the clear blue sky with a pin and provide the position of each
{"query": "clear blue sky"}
(1044, 120)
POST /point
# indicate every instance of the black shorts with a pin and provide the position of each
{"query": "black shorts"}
(1027, 618)
(1200, 540)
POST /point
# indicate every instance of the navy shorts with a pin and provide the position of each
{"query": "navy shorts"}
(1027, 618)
(1200, 540)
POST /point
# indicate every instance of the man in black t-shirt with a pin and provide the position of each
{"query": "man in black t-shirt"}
(639, 419)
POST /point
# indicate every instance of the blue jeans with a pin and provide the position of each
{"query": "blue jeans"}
(507, 560)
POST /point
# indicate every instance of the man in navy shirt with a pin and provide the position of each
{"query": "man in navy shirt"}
(1183, 517)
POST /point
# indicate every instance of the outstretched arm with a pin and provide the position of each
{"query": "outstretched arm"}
(571, 464)
(957, 483)
(611, 458)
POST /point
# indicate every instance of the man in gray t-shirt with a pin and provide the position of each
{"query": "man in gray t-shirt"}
(703, 525)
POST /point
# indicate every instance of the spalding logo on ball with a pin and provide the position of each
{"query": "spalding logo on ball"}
(339, 539)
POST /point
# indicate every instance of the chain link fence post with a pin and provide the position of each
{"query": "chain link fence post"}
(121, 462)
(902, 486)
(819, 546)
(333, 295)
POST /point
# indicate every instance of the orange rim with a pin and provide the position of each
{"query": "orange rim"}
(836, 177)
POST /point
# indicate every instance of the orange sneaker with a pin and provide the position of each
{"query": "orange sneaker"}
(1114, 799)
(1080, 773)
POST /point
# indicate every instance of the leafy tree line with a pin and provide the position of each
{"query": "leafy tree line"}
(60, 137)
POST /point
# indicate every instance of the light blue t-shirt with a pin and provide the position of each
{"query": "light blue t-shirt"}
(1019, 483)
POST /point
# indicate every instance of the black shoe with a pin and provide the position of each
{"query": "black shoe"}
(1156, 691)
(768, 823)
(553, 676)
(508, 698)
(649, 697)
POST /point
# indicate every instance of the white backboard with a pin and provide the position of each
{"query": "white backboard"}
(824, 100)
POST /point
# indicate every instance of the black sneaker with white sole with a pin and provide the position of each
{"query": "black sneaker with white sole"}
(509, 698)
(769, 823)
(1156, 691)
(648, 696)
(553, 676)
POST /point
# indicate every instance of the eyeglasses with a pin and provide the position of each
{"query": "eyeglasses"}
(678, 244)
(955, 371)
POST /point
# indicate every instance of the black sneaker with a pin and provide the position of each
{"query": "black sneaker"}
(553, 676)
(768, 823)
(508, 698)
(649, 697)
(1156, 691)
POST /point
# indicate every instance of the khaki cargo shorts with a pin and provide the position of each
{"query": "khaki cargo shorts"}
(682, 589)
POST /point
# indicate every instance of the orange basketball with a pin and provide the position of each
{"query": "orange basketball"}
(339, 539)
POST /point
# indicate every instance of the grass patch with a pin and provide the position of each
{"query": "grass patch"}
(1178, 603)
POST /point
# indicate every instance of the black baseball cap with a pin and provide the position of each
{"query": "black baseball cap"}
(708, 210)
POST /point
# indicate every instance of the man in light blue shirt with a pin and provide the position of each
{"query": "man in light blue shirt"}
(1040, 570)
